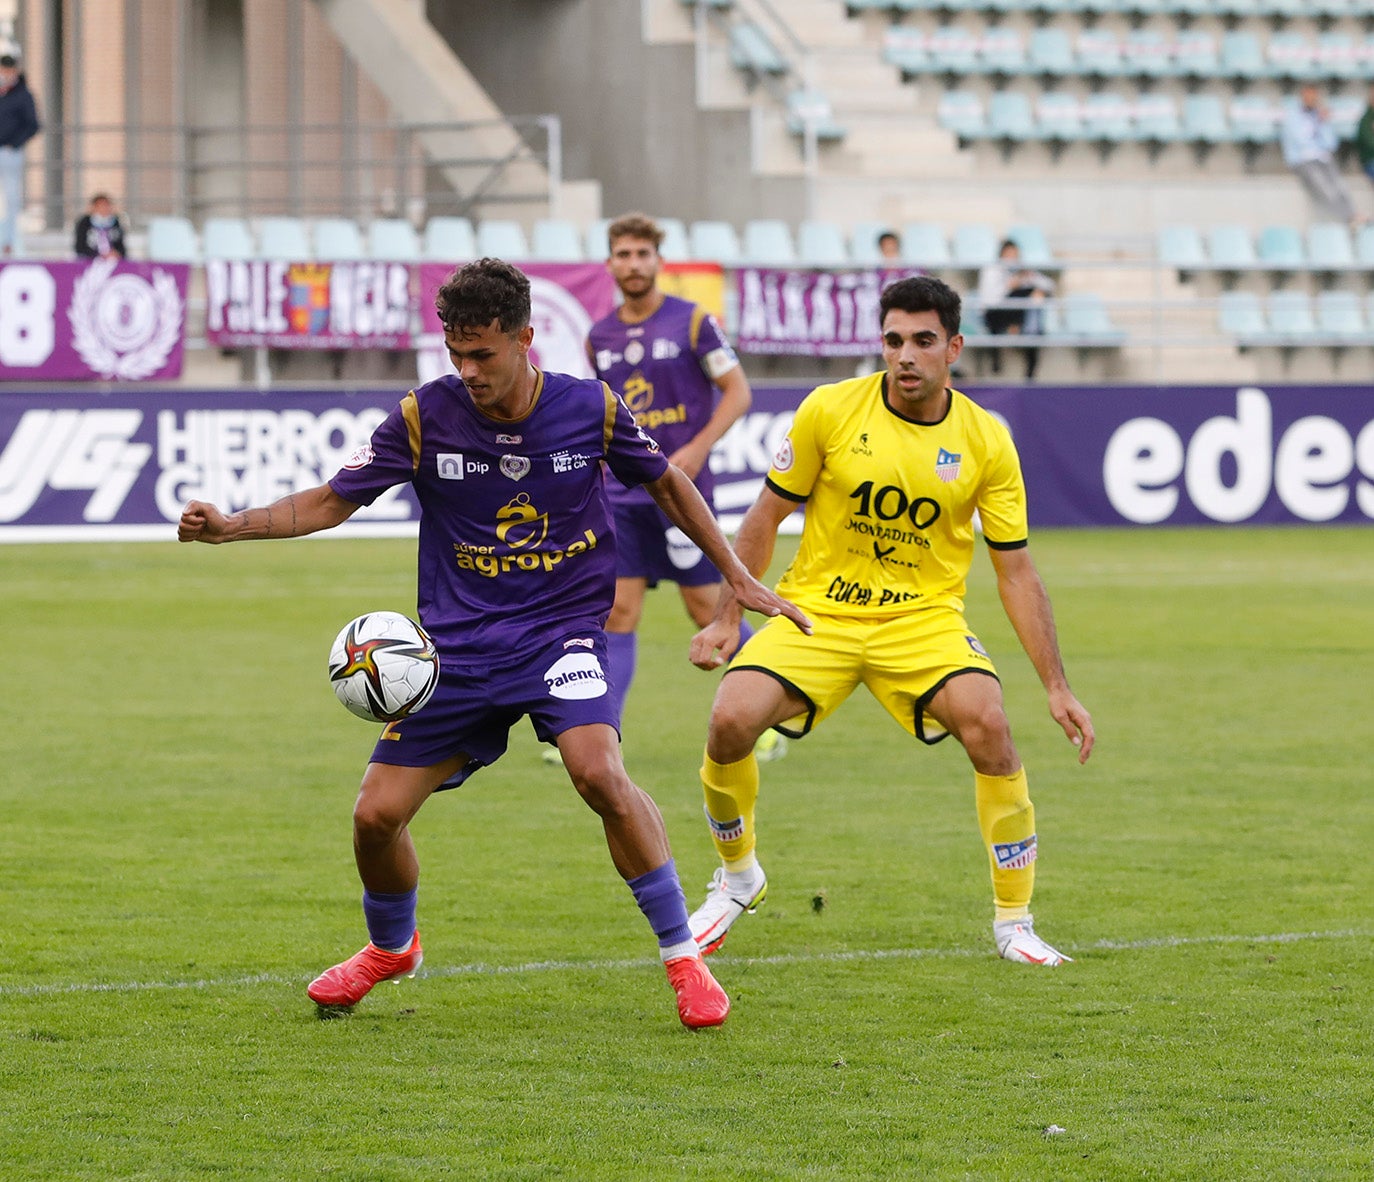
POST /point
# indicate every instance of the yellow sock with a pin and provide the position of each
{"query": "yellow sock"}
(1006, 818)
(731, 790)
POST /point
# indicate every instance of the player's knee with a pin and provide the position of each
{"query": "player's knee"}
(986, 736)
(731, 735)
(375, 825)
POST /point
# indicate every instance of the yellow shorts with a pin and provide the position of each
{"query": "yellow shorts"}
(903, 661)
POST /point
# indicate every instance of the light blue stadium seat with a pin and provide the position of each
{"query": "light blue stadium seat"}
(674, 245)
(1345, 111)
(714, 241)
(1001, 51)
(974, 245)
(1242, 56)
(283, 238)
(821, 244)
(1107, 117)
(1288, 9)
(1254, 119)
(1049, 52)
(1098, 54)
(1010, 117)
(172, 240)
(1154, 120)
(501, 238)
(1231, 248)
(1195, 54)
(1181, 247)
(1241, 315)
(1204, 120)
(1336, 56)
(863, 241)
(768, 243)
(227, 238)
(809, 110)
(906, 48)
(1289, 314)
(594, 241)
(1364, 245)
(393, 239)
(961, 112)
(556, 240)
(337, 240)
(1034, 246)
(752, 52)
(449, 240)
(953, 50)
(1059, 117)
(924, 245)
(1339, 314)
(1146, 53)
(1329, 247)
(1281, 248)
(1086, 315)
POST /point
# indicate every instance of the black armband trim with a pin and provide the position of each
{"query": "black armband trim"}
(1021, 545)
(782, 492)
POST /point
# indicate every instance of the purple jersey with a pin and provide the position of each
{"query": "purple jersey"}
(516, 545)
(665, 369)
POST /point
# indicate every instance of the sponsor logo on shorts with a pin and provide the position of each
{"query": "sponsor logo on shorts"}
(682, 551)
(360, 458)
(947, 465)
(1014, 855)
(977, 646)
(580, 642)
(576, 677)
(726, 830)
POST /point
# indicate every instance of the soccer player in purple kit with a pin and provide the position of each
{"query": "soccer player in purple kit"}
(669, 361)
(516, 577)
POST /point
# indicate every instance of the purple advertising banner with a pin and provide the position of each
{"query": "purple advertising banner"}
(107, 320)
(565, 300)
(810, 313)
(107, 466)
(261, 303)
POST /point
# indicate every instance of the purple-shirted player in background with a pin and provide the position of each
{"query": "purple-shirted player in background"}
(516, 577)
(667, 358)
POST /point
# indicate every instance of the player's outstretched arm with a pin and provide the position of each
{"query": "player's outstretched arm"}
(1027, 605)
(293, 516)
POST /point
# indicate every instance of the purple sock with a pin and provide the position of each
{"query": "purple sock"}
(390, 919)
(621, 649)
(745, 632)
(659, 895)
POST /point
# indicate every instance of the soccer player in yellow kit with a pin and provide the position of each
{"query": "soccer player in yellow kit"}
(891, 468)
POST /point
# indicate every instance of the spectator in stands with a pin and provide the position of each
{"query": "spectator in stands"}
(99, 232)
(1309, 149)
(1364, 137)
(889, 245)
(1010, 293)
(18, 124)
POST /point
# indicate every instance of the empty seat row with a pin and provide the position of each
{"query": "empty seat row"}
(1222, 9)
(1324, 247)
(1081, 319)
(1063, 117)
(1141, 53)
(1295, 318)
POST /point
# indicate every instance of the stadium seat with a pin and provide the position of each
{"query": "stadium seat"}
(1097, 54)
(974, 246)
(555, 240)
(821, 244)
(1059, 118)
(1147, 54)
(1345, 109)
(961, 113)
(768, 242)
(501, 238)
(1240, 315)
(1329, 247)
(594, 242)
(1289, 314)
(1336, 56)
(393, 239)
(1181, 247)
(1241, 56)
(449, 240)
(1107, 117)
(227, 238)
(753, 53)
(1281, 248)
(1291, 56)
(953, 50)
(674, 245)
(283, 238)
(1010, 117)
(809, 111)
(1034, 246)
(924, 245)
(714, 241)
(336, 240)
(1154, 120)
(1195, 55)
(1254, 119)
(1049, 53)
(1339, 314)
(172, 240)
(1231, 248)
(1085, 315)
(1364, 245)
(1204, 120)
(906, 48)
(1001, 52)
(863, 241)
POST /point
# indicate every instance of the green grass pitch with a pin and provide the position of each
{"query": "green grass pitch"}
(175, 866)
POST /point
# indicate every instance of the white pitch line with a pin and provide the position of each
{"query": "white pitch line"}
(583, 966)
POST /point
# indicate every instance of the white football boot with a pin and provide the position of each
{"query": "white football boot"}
(710, 923)
(1016, 940)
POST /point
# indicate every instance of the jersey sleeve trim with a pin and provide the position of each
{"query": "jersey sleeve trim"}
(608, 423)
(786, 494)
(410, 411)
(694, 330)
(1018, 545)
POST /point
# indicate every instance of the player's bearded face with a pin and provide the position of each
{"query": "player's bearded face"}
(918, 355)
(634, 264)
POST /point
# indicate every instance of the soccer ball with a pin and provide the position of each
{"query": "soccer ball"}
(383, 666)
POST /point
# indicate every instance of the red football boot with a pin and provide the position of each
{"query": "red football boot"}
(701, 1002)
(348, 983)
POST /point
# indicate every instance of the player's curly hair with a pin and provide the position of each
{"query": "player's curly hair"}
(923, 293)
(482, 291)
(635, 225)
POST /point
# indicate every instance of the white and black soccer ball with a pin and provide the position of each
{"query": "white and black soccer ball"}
(383, 666)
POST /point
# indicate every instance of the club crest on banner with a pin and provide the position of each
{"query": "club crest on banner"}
(123, 325)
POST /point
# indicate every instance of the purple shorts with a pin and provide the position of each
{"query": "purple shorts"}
(473, 708)
(649, 546)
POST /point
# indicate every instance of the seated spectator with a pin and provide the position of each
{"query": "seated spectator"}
(99, 232)
(1309, 144)
(1009, 294)
(889, 245)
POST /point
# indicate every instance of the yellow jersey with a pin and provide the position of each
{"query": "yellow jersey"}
(890, 502)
